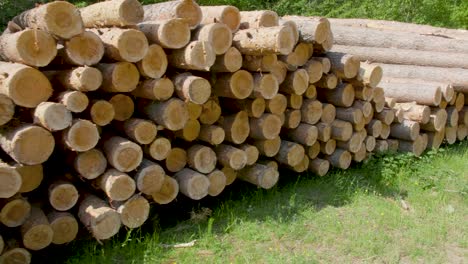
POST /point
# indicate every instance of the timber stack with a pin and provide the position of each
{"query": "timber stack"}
(109, 108)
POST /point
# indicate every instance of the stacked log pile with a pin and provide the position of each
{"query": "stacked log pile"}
(109, 108)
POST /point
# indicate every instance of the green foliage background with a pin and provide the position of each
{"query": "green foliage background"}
(444, 13)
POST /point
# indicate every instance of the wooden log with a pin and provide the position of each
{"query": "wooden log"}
(328, 147)
(381, 146)
(341, 130)
(393, 145)
(451, 134)
(25, 86)
(437, 120)
(296, 82)
(63, 195)
(101, 112)
(176, 159)
(258, 19)
(119, 77)
(64, 226)
(323, 131)
(201, 158)
(123, 44)
(117, 185)
(344, 65)
(460, 101)
(36, 231)
(313, 151)
(226, 14)
(349, 114)
(265, 40)
(326, 45)
(417, 146)
(172, 114)
(445, 87)
(352, 145)
(190, 132)
(314, 70)
(122, 153)
(83, 135)
(294, 101)
(194, 110)
(168, 192)
(140, 130)
(160, 89)
(421, 94)
(197, 55)
(236, 127)
(370, 74)
(264, 86)
(161, 32)
(279, 70)
(452, 116)
(290, 153)
(211, 134)
(463, 116)
(406, 130)
(211, 112)
(263, 63)
(319, 166)
(192, 88)
(268, 147)
(133, 212)
(260, 175)
(365, 107)
(462, 132)
(385, 131)
(365, 93)
(154, 63)
(328, 81)
(84, 79)
(101, 220)
(311, 92)
(7, 109)
(32, 47)
(374, 128)
(83, 49)
(304, 134)
(361, 154)
(370, 143)
(277, 105)
(231, 61)
(186, 9)
(60, 19)
(16, 255)
(52, 116)
(11, 180)
(390, 102)
(27, 144)
(292, 118)
(414, 112)
(328, 113)
(238, 85)
(435, 139)
(254, 107)
(268, 126)
(299, 56)
(90, 164)
(311, 111)
(251, 152)
(217, 34)
(302, 166)
(217, 182)
(230, 174)
(31, 177)
(117, 13)
(340, 159)
(149, 177)
(192, 184)
(406, 56)
(343, 95)
(14, 211)
(312, 29)
(231, 157)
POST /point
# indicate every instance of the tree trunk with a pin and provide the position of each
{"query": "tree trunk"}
(197, 55)
(217, 34)
(226, 14)
(344, 65)
(365, 93)
(236, 127)
(292, 118)
(140, 130)
(421, 94)
(268, 147)
(238, 85)
(149, 177)
(231, 61)
(201, 158)
(350, 114)
(101, 112)
(319, 166)
(340, 159)
(341, 130)
(437, 120)
(277, 105)
(343, 95)
(16, 255)
(406, 130)
(304, 134)
(230, 174)
(161, 32)
(386, 116)
(299, 56)
(352, 145)
(263, 63)
(290, 153)
(112, 13)
(251, 152)
(230, 156)
(84, 79)
(268, 126)
(211, 134)
(328, 147)
(123, 106)
(186, 9)
(314, 70)
(101, 220)
(254, 107)
(296, 82)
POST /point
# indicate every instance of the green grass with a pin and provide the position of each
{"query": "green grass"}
(392, 209)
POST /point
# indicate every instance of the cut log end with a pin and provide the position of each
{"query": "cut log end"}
(154, 63)
(63, 20)
(74, 101)
(201, 158)
(17, 256)
(217, 182)
(52, 116)
(192, 184)
(149, 177)
(102, 112)
(103, 221)
(134, 211)
(63, 196)
(11, 181)
(168, 191)
(176, 160)
(237, 127)
(261, 175)
(83, 49)
(65, 227)
(90, 164)
(159, 149)
(123, 107)
(119, 77)
(319, 166)
(117, 185)
(123, 154)
(36, 231)
(15, 212)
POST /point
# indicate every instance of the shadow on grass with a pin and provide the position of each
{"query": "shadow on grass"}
(185, 220)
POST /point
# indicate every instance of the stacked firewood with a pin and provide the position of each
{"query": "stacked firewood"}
(111, 107)
(425, 72)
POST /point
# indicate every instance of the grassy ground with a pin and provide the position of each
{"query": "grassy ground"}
(392, 209)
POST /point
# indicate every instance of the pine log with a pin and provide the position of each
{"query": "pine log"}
(160, 89)
(298, 57)
(185, 9)
(31, 177)
(343, 95)
(323, 131)
(417, 146)
(7, 109)
(369, 74)
(302, 166)
(27, 144)
(460, 101)
(312, 29)
(264, 86)
(370, 143)
(319, 166)
(161, 32)
(122, 154)
(381, 146)
(194, 110)
(437, 120)
(231, 61)
(230, 174)
(277, 105)
(84, 79)
(14, 211)
(295, 101)
(328, 147)
(311, 92)
(385, 131)
(123, 106)
(463, 115)
(340, 159)
(60, 19)
(211, 134)
(304, 134)
(290, 153)
(251, 152)
(341, 130)
(314, 150)
(352, 145)
(118, 186)
(141, 130)
(390, 102)
(74, 101)
(344, 65)
(226, 14)
(86, 48)
(154, 63)
(314, 70)
(190, 132)
(406, 130)
(201, 158)
(258, 19)
(192, 184)
(365, 93)
(36, 231)
(451, 134)
(254, 107)
(168, 192)
(361, 154)
(217, 182)
(374, 128)
(192, 88)
(11, 180)
(63, 195)
(90, 164)
(217, 34)
(123, 44)
(462, 132)
(149, 177)
(311, 111)
(328, 81)
(24, 85)
(292, 118)
(176, 159)
(279, 70)
(445, 87)
(452, 116)
(197, 55)
(133, 212)
(435, 139)
(265, 40)
(211, 112)
(421, 94)
(406, 56)
(230, 156)
(349, 114)
(172, 114)
(32, 47)
(238, 85)
(295, 31)
(268, 126)
(119, 77)
(414, 112)
(52, 116)
(236, 127)
(16, 255)
(326, 45)
(112, 13)
(261, 175)
(101, 112)
(102, 221)
(64, 226)
(296, 82)
(263, 63)
(268, 147)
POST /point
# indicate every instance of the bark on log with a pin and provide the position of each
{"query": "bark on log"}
(14, 211)
(211, 134)
(168, 192)
(451, 134)
(36, 231)
(176, 160)
(343, 95)
(192, 184)
(117, 13)
(230, 174)
(290, 153)
(406, 130)
(352, 145)
(25, 86)
(386, 116)
(292, 118)
(52, 116)
(83, 49)
(298, 57)
(123, 44)
(192, 88)
(122, 153)
(266, 40)
(311, 92)
(374, 128)
(341, 130)
(60, 19)
(452, 116)
(211, 112)
(258, 19)
(142, 131)
(385, 131)
(462, 132)
(296, 82)
(314, 70)
(251, 152)
(295, 31)
(417, 146)
(119, 77)
(226, 14)
(154, 63)
(323, 131)
(264, 86)
(64, 226)
(304, 134)
(435, 139)
(422, 94)
(217, 34)
(254, 107)
(118, 186)
(350, 114)
(90, 164)
(370, 143)
(134, 212)
(11, 180)
(365, 93)
(312, 29)
(231, 61)
(328, 81)
(328, 147)
(445, 87)
(344, 65)
(161, 32)
(185, 9)
(261, 175)
(102, 221)
(437, 120)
